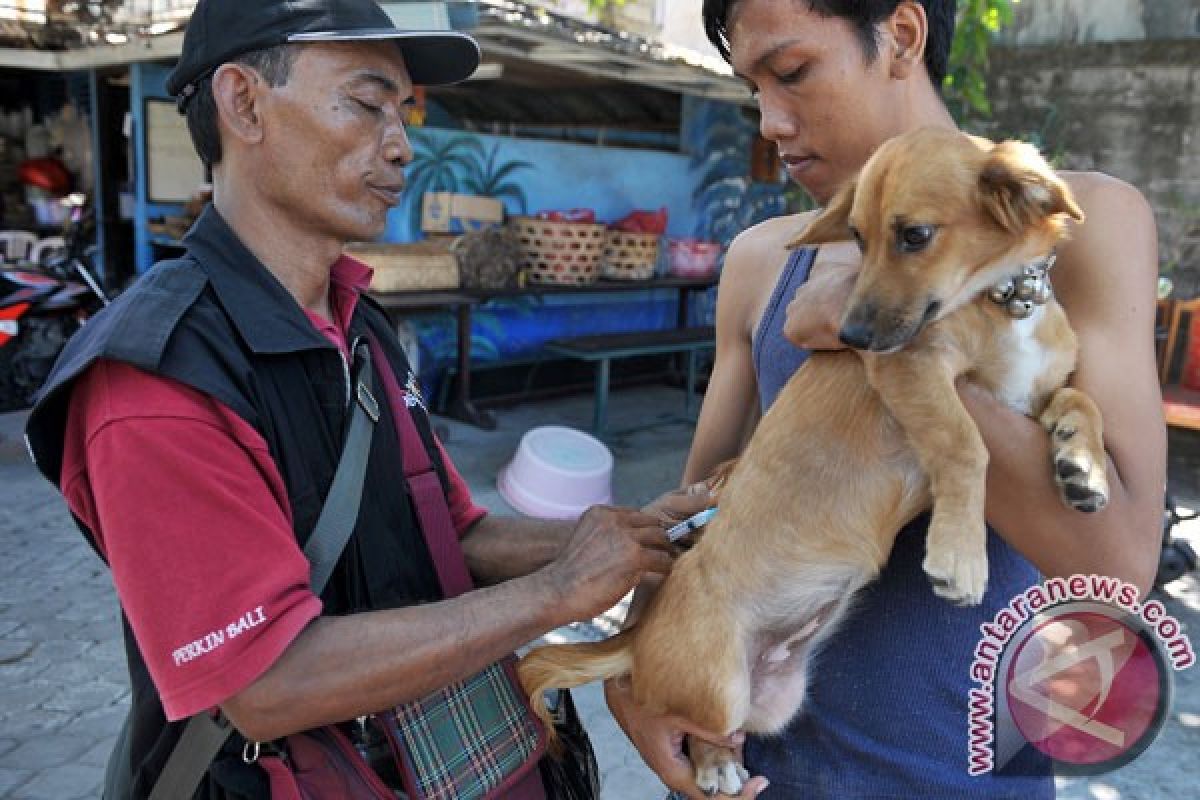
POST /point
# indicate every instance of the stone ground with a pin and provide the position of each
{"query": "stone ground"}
(62, 681)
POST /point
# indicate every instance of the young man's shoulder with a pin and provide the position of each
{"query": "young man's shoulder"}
(760, 251)
(1113, 209)
(753, 265)
(771, 236)
(1112, 255)
(1097, 188)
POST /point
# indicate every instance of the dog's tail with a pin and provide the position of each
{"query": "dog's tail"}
(565, 666)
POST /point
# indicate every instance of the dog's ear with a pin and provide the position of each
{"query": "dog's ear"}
(1018, 188)
(832, 224)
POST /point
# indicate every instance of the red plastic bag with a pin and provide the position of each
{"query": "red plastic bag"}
(643, 222)
(569, 215)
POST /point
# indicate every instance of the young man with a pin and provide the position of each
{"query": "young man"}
(196, 425)
(887, 711)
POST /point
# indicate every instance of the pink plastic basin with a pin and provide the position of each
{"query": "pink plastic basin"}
(693, 258)
(557, 473)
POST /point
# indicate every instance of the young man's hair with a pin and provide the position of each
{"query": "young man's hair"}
(274, 64)
(865, 16)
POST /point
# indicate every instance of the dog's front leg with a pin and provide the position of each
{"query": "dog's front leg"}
(718, 769)
(918, 389)
(1077, 447)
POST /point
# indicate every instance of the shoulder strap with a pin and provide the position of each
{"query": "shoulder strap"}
(428, 496)
(205, 735)
(340, 512)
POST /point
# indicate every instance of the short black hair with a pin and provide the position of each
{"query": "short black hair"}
(865, 16)
(274, 64)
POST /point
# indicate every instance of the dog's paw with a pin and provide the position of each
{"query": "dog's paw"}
(1081, 479)
(958, 574)
(718, 772)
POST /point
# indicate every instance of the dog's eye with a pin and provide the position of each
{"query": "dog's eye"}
(915, 238)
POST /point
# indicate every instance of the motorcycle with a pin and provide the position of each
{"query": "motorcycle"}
(1177, 558)
(41, 306)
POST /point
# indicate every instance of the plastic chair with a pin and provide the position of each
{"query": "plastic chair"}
(16, 245)
(1173, 314)
(48, 248)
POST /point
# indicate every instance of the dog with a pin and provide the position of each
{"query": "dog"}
(861, 441)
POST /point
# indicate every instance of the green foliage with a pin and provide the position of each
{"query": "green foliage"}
(459, 164)
(490, 178)
(966, 81)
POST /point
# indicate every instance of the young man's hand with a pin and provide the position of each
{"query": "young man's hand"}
(659, 739)
(674, 507)
(610, 551)
(814, 316)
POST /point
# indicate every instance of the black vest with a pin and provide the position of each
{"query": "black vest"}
(217, 320)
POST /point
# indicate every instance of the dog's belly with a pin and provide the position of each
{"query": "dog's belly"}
(778, 682)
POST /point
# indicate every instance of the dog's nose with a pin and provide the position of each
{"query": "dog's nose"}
(856, 334)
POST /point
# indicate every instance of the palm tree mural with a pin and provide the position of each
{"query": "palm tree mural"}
(726, 200)
(461, 164)
(491, 179)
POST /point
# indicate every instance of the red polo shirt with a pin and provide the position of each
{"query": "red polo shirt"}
(189, 509)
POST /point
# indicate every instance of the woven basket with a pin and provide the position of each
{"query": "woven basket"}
(630, 256)
(408, 267)
(559, 252)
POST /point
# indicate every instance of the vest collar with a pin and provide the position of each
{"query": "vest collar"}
(266, 316)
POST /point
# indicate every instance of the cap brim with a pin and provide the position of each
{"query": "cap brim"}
(433, 58)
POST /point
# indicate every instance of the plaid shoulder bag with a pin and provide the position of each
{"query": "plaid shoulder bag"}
(477, 738)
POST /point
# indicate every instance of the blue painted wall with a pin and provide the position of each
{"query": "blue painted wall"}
(528, 176)
(548, 175)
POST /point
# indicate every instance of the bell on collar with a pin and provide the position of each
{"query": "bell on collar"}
(1020, 309)
(1001, 292)
(1044, 293)
(1028, 288)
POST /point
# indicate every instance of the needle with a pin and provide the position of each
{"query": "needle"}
(677, 532)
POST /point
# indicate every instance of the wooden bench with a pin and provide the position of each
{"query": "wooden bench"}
(603, 348)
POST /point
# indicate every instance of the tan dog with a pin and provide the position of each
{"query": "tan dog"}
(857, 444)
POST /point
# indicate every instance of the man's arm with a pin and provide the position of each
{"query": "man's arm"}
(502, 548)
(192, 514)
(1106, 280)
(343, 667)
(730, 411)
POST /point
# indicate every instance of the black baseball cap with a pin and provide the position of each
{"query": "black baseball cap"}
(221, 30)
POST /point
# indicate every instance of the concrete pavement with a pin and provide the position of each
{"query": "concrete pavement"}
(62, 679)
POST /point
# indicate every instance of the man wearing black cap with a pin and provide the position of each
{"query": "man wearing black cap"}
(195, 427)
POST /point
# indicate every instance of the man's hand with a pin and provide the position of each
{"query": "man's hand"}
(659, 739)
(609, 553)
(814, 316)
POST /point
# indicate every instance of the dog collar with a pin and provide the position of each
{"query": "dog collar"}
(1022, 294)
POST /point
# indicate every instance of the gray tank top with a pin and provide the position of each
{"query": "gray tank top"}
(775, 358)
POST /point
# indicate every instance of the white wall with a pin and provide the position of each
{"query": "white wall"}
(1079, 21)
(682, 26)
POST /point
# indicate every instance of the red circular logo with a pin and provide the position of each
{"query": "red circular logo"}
(1087, 689)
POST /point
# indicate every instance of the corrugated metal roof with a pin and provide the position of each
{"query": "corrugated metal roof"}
(564, 49)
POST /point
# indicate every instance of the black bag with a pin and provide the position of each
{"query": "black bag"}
(574, 774)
